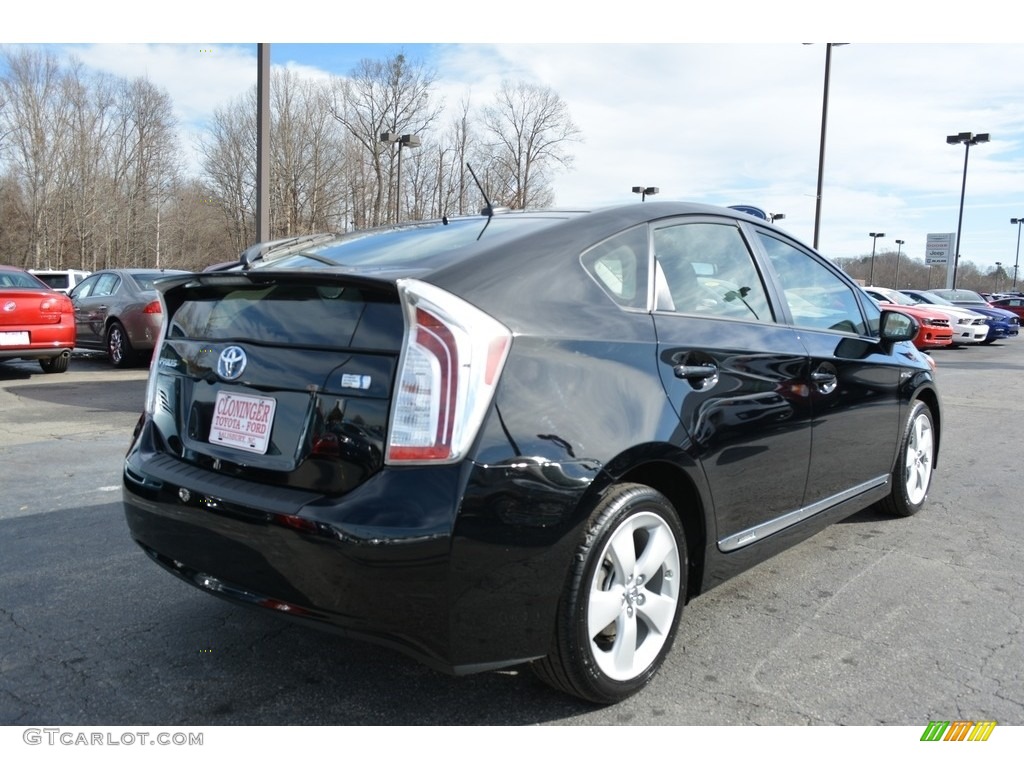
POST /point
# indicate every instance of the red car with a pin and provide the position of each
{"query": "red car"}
(936, 327)
(1014, 304)
(36, 322)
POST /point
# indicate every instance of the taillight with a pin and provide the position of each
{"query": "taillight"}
(52, 307)
(452, 357)
(153, 308)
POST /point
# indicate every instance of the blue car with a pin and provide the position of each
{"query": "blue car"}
(1002, 324)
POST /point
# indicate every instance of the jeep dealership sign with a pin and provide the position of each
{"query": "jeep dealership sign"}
(939, 248)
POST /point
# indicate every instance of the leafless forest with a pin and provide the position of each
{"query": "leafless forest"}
(93, 173)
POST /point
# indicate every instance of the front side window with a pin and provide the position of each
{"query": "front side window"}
(710, 271)
(85, 288)
(817, 296)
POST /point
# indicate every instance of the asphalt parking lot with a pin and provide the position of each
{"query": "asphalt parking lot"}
(873, 621)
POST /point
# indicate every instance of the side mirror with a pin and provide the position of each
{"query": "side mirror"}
(896, 326)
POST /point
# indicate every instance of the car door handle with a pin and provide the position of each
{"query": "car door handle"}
(826, 381)
(691, 372)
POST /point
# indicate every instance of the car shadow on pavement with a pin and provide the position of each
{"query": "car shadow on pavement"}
(93, 632)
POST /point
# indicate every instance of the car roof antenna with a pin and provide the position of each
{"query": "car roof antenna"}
(488, 210)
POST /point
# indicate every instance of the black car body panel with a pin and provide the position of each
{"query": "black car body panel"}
(759, 428)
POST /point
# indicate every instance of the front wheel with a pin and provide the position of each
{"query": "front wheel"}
(621, 607)
(914, 465)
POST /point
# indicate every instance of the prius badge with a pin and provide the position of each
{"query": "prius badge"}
(231, 363)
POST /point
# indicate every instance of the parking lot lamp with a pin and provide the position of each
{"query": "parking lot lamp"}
(968, 139)
(1016, 261)
(896, 278)
(645, 191)
(773, 217)
(403, 140)
(874, 239)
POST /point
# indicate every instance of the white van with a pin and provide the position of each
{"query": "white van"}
(62, 280)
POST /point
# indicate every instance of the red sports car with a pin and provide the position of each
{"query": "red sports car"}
(936, 327)
(36, 322)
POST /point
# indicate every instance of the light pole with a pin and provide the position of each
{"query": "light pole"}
(999, 272)
(896, 279)
(821, 148)
(968, 139)
(403, 140)
(874, 239)
(1016, 261)
(773, 217)
(645, 191)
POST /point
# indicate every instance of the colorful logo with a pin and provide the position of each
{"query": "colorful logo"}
(958, 730)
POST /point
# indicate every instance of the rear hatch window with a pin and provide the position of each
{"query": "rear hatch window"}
(282, 378)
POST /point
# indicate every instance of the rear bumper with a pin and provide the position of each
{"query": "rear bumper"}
(33, 353)
(387, 562)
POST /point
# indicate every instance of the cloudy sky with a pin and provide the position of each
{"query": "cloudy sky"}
(721, 106)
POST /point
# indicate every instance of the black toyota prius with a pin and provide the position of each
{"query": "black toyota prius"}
(521, 436)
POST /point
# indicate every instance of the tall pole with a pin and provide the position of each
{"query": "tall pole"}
(960, 218)
(263, 142)
(821, 148)
(896, 279)
(874, 239)
(967, 139)
(398, 192)
(1016, 261)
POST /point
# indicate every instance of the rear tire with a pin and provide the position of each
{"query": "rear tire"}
(58, 364)
(914, 465)
(621, 607)
(119, 347)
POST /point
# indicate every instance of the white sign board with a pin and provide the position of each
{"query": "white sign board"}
(939, 248)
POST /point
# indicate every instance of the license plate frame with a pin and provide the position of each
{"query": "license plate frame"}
(14, 339)
(243, 421)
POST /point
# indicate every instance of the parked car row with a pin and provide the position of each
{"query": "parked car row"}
(116, 311)
(1001, 323)
(950, 318)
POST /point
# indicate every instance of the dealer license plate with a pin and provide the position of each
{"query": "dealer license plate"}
(242, 421)
(13, 338)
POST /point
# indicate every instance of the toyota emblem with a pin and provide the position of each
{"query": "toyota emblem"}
(231, 363)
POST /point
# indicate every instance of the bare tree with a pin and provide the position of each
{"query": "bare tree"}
(528, 127)
(86, 187)
(307, 156)
(34, 120)
(229, 161)
(145, 163)
(379, 97)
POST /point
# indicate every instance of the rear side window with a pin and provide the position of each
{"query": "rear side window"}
(619, 265)
(55, 281)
